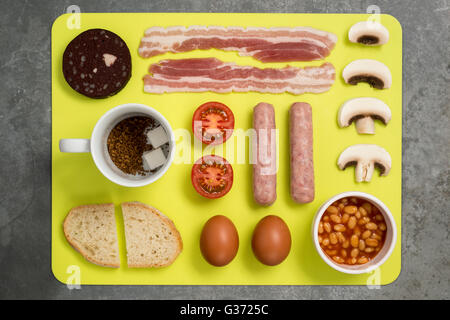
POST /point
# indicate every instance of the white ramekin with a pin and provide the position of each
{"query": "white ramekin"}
(385, 252)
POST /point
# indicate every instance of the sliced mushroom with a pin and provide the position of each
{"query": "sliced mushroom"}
(366, 157)
(363, 111)
(375, 73)
(370, 33)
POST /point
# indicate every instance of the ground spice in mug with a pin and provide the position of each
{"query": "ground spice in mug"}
(127, 142)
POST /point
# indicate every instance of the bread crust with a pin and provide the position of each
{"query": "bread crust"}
(168, 222)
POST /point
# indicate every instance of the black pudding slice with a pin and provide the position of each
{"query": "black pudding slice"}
(97, 63)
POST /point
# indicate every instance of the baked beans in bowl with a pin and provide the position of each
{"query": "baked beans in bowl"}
(354, 232)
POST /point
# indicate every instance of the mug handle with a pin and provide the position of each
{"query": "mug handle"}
(75, 145)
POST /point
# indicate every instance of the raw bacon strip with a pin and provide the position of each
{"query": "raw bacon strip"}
(211, 74)
(264, 44)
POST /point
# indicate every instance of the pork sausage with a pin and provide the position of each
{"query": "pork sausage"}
(301, 152)
(264, 155)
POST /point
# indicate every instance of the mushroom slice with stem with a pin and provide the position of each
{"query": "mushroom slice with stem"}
(363, 111)
(370, 33)
(374, 72)
(366, 157)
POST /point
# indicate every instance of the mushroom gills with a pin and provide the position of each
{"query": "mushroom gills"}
(368, 40)
(368, 33)
(373, 81)
(373, 72)
(366, 157)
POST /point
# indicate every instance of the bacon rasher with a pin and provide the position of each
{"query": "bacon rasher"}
(211, 74)
(264, 44)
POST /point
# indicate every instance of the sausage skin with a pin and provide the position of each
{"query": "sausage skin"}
(301, 152)
(264, 155)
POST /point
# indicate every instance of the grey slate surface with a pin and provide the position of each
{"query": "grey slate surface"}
(25, 165)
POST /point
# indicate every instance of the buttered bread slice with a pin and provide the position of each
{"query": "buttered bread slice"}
(151, 238)
(92, 231)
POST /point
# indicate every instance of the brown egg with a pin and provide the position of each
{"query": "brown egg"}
(219, 241)
(271, 240)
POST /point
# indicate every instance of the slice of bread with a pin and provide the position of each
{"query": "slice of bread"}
(151, 238)
(91, 230)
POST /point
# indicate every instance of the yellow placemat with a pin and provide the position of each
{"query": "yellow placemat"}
(76, 180)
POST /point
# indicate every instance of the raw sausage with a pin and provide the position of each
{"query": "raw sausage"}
(264, 154)
(301, 152)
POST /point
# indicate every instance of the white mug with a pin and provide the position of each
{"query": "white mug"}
(97, 146)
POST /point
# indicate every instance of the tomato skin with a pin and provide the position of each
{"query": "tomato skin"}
(206, 167)
(214, 114)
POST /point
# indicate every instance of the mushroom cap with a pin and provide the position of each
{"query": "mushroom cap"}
(370, 33)
(376, 73)
(366, 157)
(362, 107)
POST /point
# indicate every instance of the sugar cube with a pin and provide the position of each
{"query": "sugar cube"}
(157, 137)
(154, 158)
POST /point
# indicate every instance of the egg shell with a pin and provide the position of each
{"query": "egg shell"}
(219, 241)
(271, 241)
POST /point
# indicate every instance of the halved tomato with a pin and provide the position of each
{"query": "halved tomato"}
(213, 123)
(212, 176)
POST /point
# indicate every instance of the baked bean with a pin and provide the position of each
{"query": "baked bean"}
(345, 217)
(341, 206)
(353, 260)
(368, 207)
(371, 226)
(354, 241)
(344, 253)
(379, 217)
(344, 200)
(372, 242)
(363, 221)
(358, 215)
(327, 227)
(326, 218)
(320, 227)
(320, 239)
(350, 209)
(363, 260)
(363, 211)
(376, 236)
(382, 226)
(332, 210)
(369, 250)
(338, 259)
(353, 200)
(326, 242)
(351, 222)
(339, 227)
(362, 245)
(354, 253)
(366, 234)
(333, 238)
(335, 218)
(341, 237)
(331, 252)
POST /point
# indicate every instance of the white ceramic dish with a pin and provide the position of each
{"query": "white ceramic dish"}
(385, 252)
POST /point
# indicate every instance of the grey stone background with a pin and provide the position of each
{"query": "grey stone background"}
(25, 165)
